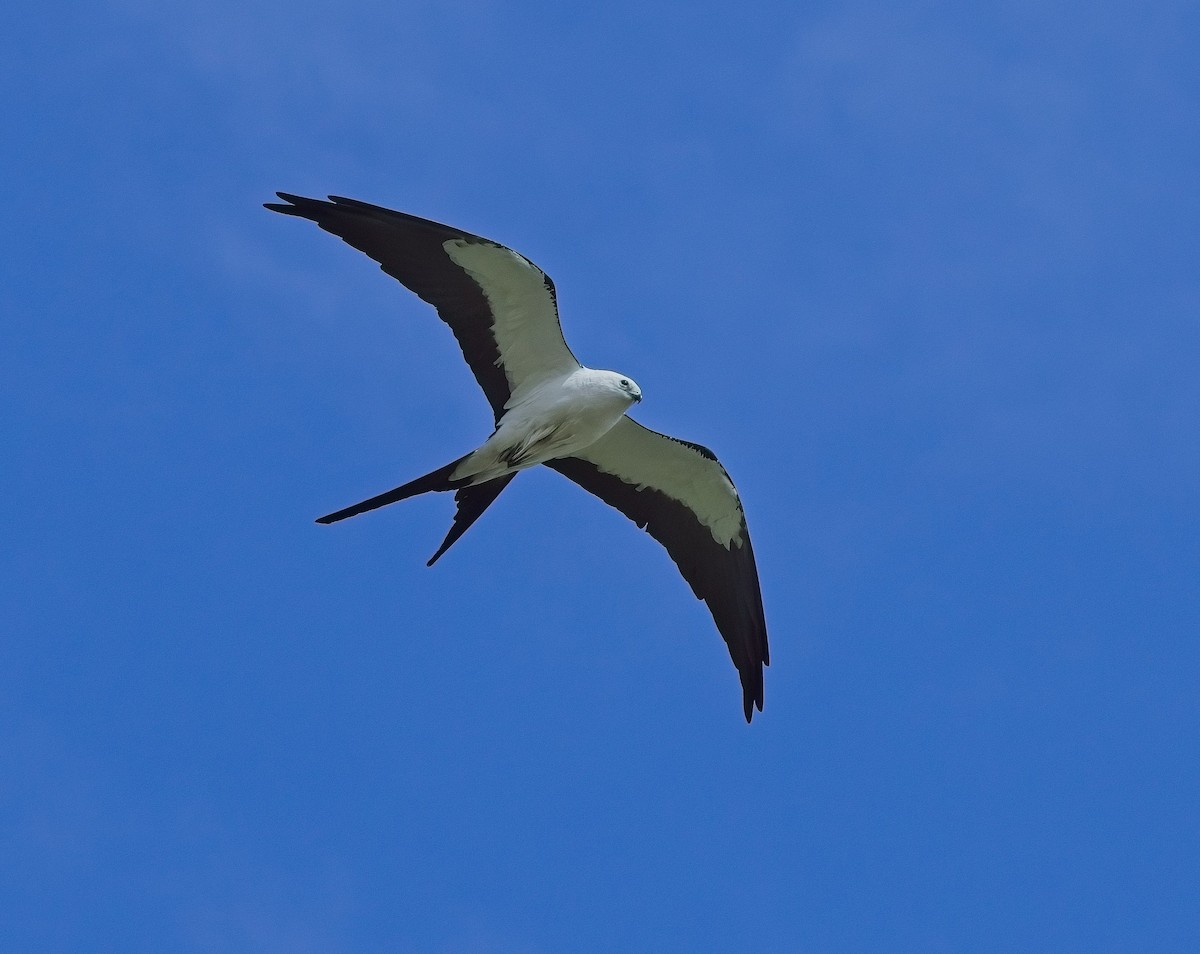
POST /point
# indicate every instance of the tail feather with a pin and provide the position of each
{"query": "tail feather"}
(472, 502)
(438, 480)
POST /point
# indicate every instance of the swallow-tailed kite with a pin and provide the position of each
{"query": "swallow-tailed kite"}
(551, 410)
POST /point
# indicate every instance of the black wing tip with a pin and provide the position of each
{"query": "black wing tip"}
(302, 205)
(309, 208)
(752, 698)
(296, 204)
(750, 673)
(325, 210)
(299, 202)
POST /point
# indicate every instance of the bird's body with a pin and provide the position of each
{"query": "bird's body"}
(558, 417)
(550, 409)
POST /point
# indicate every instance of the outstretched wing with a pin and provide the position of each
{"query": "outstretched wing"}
(680, 494)
(500, 306)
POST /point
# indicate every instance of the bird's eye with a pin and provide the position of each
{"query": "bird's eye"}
(624, 382)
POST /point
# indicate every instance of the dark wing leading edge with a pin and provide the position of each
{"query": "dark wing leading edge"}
(680, 494)
(500, 306)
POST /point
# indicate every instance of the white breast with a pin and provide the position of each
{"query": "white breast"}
(557, 418)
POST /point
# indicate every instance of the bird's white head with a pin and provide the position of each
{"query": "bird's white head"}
(625, 385)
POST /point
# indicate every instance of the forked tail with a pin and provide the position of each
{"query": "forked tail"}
(437, 480)
(472, 500)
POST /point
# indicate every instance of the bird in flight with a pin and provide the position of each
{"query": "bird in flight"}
(551, 410)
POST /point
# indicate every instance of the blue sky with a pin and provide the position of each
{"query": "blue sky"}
(925, 275)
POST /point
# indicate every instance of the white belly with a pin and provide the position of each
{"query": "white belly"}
(557, 420)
